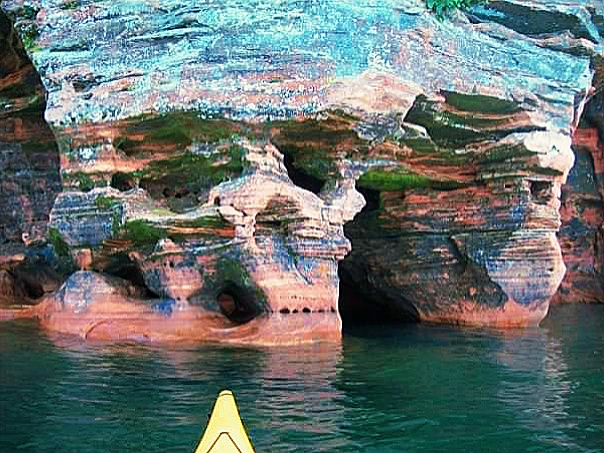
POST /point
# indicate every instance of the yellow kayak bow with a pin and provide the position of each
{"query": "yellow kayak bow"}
(225, 432)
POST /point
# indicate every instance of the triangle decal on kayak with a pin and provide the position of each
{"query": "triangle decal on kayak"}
(224, 443)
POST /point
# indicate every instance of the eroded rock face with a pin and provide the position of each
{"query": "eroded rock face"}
(260, 252)
(214, 157)
(582, 215)
(477, 247)
(29, 157)
(279, 260)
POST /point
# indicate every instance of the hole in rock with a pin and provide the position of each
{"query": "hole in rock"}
(361, 304)
(284, 311)
(372, 198)
(122, 181)
(172, 264)
(217, 201)
(120, 265)
(541, 191)
(295, 310)
(306, 310)
(237, 304)
(33, 290)
(181, 193)
(362, 301)
(301, 178)
(24, 285)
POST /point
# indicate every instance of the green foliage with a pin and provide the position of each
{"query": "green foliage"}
(70, 4)
(102, 202)
(29, 34)
(144, 233)
(116, 223)
(115, 205)
(58, 243)
(85, 182)
(441, 7)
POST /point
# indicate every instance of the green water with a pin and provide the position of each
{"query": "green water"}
(411, 388)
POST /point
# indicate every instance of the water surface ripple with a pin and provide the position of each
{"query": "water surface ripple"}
(411, 388)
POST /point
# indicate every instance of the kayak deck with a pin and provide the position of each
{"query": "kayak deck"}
(225, 432)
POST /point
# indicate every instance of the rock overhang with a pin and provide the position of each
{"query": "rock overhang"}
(279, 63)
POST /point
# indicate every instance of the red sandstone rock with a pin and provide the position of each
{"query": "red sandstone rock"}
(463, 232)
(582, 216)
(109, 312)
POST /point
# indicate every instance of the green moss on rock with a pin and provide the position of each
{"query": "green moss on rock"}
(70, 4)
(479, 103)
(186, 177)
(58, 243)
(177, 130)
(85, 182)
(314, 146)
(103, 202)
(441, 7)
(203, 222)
(233, 275)
(502, 153)
(143, 233)
(392, 180)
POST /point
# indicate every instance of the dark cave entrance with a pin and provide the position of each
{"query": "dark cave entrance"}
(360, 303)
(236, 303)
(301, 178)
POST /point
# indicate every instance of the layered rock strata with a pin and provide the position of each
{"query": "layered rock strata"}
(29, 157)
(211, 156)
(582, 213)
(256, 263)
(29, 173)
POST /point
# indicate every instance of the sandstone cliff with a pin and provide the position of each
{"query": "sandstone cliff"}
(251, 162)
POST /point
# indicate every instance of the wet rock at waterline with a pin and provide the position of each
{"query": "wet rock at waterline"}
(230, 169)
(260, 251)
(100, 307)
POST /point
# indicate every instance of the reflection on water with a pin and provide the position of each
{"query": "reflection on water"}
(538, 386)
(384, 389)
